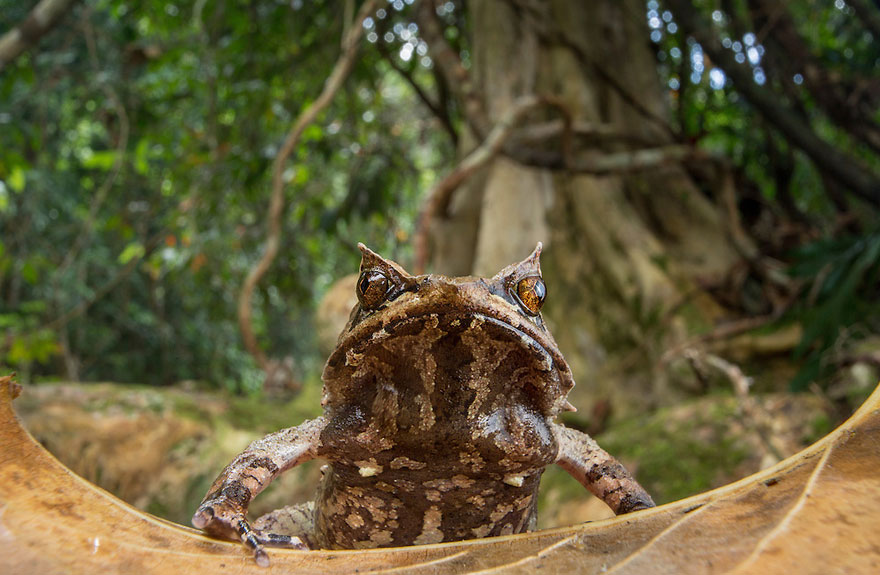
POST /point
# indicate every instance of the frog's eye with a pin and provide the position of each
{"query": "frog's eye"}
(372, 287)
(530, 292)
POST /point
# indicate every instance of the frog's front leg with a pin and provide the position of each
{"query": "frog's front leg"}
(223, 512)
(599, 472)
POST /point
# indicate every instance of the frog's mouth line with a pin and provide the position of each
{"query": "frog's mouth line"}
(547, 359)
(533, 344)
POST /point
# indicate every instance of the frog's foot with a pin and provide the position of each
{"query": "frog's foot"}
(222, 517)
(220, 521)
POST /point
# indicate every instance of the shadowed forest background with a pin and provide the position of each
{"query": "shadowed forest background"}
(182, 185)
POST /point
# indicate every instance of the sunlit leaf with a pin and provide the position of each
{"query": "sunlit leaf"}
(131, 251)
(16, 179)
(141, 157)
(101, 160)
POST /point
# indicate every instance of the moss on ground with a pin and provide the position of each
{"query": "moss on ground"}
(679, 458)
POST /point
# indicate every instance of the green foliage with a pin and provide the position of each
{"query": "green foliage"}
(137, 145)
(843, 299)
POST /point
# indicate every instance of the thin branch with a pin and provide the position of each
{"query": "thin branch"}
(539, 134)
(602, 164)
(337, 77)
(441, 194)
(727, 330)
(755, 416)
(439, 111)
(45, 16)
(458, 79)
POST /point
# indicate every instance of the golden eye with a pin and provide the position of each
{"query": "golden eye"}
(530, 292)
(371, 288)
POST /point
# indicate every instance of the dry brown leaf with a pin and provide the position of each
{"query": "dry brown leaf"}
(815, 512)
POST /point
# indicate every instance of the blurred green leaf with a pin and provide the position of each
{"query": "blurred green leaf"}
(141, 157)
(16, 179)
(103, 160)
(132, 251)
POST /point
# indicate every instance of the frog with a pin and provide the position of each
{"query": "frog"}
(440, 405)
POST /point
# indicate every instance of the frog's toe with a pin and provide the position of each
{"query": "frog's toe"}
(261, 557)
(281, 540)
(203, 517)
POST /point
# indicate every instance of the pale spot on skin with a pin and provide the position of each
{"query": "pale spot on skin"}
(473, 459)
(441, 484)
(462, 482)
(426, 411)
(482, 531)
(355, 520)
(433, 495)
(524, 502)
(500, 512)
(375, 505)
(380, 538)
(374, 438)
(369, 470)
(507, 463)
(514, 480)
(353, 359)
(477, 501)
(430, 527)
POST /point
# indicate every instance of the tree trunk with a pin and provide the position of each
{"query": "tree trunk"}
(621, 252)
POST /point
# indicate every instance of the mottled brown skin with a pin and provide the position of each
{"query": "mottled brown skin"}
(439, 407)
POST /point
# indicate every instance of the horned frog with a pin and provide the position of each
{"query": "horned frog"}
(439, 404)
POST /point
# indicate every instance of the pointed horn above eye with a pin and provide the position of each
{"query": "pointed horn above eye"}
(534, 259)
(370, 259)
(537, 253)
(529, 266)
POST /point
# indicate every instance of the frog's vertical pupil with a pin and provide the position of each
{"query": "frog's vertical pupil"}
(531, 292)
(371, 288)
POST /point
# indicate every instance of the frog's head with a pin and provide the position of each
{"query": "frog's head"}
(429, 356)
(424, 350)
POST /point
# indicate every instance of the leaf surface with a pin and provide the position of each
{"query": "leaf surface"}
(816, 512)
